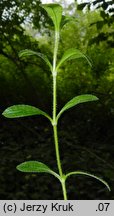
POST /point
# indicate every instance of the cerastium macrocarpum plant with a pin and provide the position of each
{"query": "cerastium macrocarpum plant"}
(54, 11)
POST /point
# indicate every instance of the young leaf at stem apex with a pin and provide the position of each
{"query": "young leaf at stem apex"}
(55, 13)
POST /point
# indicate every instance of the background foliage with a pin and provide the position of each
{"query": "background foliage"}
(87, 133)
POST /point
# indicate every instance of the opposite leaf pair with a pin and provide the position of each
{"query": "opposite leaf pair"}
(38, 167)
(17, 111)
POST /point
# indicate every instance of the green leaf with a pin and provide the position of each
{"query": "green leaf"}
(72, 54)
(27, 52)
(36, 167)
(90, 175)
(55, 13)
(17, 111)
(77, 100)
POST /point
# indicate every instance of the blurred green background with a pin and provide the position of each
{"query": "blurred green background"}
(86, 132)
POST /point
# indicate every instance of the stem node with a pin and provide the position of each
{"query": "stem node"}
(54, 123)
(54, 74)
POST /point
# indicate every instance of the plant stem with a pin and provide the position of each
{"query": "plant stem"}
(64, 190)
(57, 151)
(54, 74)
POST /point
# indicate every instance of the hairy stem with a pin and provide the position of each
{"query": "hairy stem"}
(54, 74)
(57, 151)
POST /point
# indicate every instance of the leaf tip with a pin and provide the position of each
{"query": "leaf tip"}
(18, 168)
(109, 188)
(4, 113)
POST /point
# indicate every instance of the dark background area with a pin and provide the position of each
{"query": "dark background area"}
(86, 132)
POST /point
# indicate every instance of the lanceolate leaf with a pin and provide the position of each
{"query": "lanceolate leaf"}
(36, 167)
(90, 175)
(55, 13)
(72, 54)
(27, 52)
(77, 100)
(17, 111)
